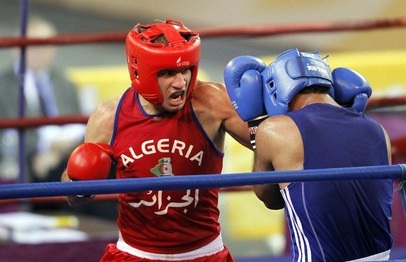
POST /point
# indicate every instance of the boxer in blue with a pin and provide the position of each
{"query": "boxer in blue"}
(316, 121)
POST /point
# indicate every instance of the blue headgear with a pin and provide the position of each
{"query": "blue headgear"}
(291, 72)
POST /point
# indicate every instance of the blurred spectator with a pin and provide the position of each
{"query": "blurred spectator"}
(47, 93)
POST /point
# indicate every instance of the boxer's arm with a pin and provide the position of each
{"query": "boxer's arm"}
(388, 145)
(269, 194)
(99, 129)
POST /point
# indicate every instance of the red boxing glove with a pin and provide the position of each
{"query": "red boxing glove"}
(90, 161)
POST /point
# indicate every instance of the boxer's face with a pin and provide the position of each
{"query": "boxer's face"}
(174, 85)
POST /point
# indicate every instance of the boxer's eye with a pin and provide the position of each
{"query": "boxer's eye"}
(167, 73)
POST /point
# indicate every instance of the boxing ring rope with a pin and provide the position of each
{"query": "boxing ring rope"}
(107, 186)
(32, 122)
(386, 101)
(251, 31)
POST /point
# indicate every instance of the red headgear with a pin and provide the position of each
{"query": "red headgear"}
(146, 57)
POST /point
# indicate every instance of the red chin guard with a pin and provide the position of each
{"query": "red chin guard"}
(148, 54)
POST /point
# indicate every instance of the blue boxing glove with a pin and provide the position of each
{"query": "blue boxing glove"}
(351, 89)
(242, 77)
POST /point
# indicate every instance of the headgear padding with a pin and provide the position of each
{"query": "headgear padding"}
(148, 54)
(291, 72)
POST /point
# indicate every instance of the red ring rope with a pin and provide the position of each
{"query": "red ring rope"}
(31, 122)
(252, 31)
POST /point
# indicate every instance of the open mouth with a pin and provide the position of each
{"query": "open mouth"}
(177, 96)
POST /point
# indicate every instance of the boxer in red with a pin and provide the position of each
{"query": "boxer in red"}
(168, 123)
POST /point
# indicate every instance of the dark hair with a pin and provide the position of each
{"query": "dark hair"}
(315, 89)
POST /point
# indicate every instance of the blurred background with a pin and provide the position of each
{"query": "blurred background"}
(85, 16)
(98, 72)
